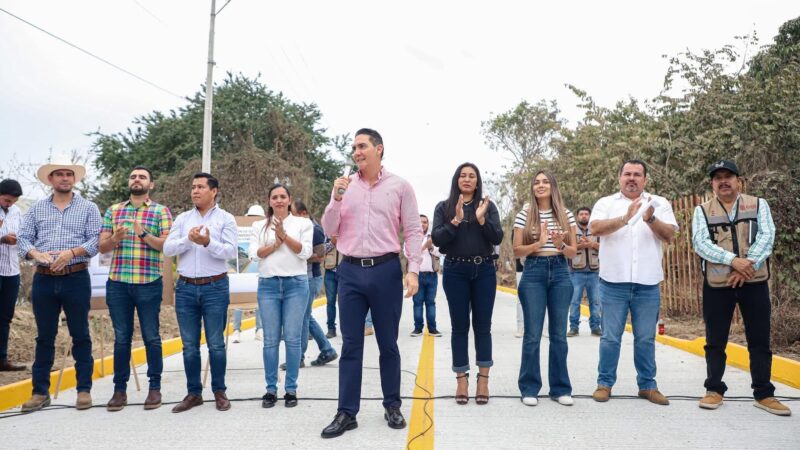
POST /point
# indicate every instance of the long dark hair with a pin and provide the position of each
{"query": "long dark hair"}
(269, 211)
(452, 200)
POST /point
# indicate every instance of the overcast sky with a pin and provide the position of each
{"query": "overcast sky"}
(423, 73)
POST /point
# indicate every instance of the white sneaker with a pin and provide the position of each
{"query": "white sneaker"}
(237, 336)
(565, 400)
(259, 334)
(520, 333)
(530, 401)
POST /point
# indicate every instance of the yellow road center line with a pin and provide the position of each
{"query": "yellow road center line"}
(420, 428)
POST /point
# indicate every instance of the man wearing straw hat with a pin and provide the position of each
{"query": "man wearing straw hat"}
(60, 233)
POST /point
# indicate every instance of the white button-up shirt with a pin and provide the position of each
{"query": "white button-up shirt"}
(9, 259)
(631, 254)
(194, 260)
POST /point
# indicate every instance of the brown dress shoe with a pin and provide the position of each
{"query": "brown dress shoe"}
(6, 366)
(118, 401)
(188, 402)
(223, 404)
(84, 401)
(601, 394)
(35, 403)
(153, 400)
(654, 396)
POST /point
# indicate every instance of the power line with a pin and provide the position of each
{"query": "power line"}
(93, 55)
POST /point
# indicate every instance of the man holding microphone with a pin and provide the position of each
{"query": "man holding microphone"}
(370, 277)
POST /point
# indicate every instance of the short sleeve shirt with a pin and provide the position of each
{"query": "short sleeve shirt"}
(522, 217)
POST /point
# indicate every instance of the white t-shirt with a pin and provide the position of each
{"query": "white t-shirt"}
(631, 254)
(282, 262)
(552, 224)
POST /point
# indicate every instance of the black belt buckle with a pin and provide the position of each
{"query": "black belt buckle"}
(367, 262)
(477, 260)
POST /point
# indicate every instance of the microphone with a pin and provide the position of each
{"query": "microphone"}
(346, 173)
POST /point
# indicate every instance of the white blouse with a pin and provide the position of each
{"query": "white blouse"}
(282, 262)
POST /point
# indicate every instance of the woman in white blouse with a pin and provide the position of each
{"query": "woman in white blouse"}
(545, 235)
(281, 243)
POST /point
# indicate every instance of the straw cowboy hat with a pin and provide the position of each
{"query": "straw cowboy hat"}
(60, 162)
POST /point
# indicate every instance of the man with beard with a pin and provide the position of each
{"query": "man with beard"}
(135, 230)
(585, 277)
(632, 224)
(734, 235)
(204, 239)
(60, 232)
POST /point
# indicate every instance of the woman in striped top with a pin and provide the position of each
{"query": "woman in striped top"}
(545, 234)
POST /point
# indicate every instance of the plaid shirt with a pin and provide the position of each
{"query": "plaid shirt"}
(759, 251)
(133, 260)
(48, 229)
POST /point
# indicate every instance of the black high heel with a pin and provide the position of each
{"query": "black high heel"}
(463, 399)
(482, 399)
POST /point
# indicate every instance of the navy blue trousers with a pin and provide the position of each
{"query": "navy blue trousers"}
(378, 289)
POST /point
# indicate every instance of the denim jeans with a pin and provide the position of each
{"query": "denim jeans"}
(591, 282)
(470, 288)
(282, 304)
(368, 319)
(122, 299)
(428, 282)
(310, 324)
(9, 291)
(643, 301)
(207, 303)
(49, 295)
(331, 289)
(237, 320)
(545, 287)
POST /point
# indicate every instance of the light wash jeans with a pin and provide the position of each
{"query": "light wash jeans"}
(237, 320)
(310, 325)
(591, 282)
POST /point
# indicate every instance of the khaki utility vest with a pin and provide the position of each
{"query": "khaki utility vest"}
(735, 237)
(332, 259)
(586, 256)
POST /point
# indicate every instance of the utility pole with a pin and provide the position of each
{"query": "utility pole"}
(209, 107)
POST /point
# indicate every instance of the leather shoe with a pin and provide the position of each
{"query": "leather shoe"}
(395, 418)
(325, 358)
(118, 401)
(6, 366)
(268, 400)
(153, 399)
(188, 402)
(290, 400)
(35, 403)
(654, 396)
(341, 423)
(223, 404)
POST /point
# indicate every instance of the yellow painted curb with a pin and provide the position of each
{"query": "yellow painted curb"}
(15, 394)
(421, 424)
(784, 370)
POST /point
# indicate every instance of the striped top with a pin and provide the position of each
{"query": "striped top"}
(133, 260)
(10, 222)
(522, 218)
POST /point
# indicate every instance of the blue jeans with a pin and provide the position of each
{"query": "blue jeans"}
(331, 288)
(122, 299)
(207, 303)
(643, 301)
(470, 288)
(310, 324)
(237, 320)
(545, 287)
(49, 295)
(9, 291)
(591, 282)
(368, 319)
(428, 282)
(282, 304)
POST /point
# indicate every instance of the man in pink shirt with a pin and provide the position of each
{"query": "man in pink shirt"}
(367, 211)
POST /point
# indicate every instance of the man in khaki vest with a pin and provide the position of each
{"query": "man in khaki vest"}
(733, 233)
(585, 276)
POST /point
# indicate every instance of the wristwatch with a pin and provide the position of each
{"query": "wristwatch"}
(650, 220)
(563, 246)
(144, 233)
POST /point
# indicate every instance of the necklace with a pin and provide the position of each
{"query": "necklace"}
(469, 202)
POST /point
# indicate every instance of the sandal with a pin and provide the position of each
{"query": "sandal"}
(482, 399)
(463, 399)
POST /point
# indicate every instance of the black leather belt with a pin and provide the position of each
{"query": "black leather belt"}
(472, 259)
(369, 262)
